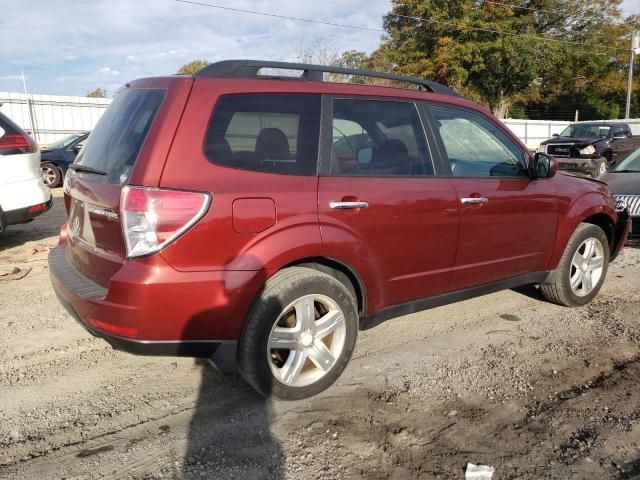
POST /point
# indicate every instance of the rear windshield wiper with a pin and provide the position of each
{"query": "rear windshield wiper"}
(82, 168)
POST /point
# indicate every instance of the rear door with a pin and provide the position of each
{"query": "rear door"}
(128, 146)
(507, 221)
(622, 141)
(380, 201)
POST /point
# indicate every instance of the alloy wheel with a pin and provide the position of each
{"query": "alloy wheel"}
(48, 176)
(306, 340)
(586, 267)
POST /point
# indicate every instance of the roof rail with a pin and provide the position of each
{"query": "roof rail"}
(250, 68)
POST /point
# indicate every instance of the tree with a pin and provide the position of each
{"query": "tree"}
(357, 60)
(320, 51)
(97, 93)
(192, 67)
(496, 53)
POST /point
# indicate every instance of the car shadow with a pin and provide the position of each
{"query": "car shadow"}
(531, 291)
(229, 435)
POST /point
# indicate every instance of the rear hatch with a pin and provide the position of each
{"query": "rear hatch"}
(128, 146)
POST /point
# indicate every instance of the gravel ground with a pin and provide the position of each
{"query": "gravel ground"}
(537, 391)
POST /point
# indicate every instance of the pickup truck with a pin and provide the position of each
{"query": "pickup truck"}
(591, 147)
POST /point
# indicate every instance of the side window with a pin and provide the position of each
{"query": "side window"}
(617, 131)
(378, 138)
(475, 147)
(276, 133)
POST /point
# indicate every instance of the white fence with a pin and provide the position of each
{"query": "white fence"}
(532, 132)
(49, 117)
(52, 117)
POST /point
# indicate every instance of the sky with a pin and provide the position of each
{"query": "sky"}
(70, 47)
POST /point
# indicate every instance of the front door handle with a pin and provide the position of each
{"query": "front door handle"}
(474, 200)
(347, 205)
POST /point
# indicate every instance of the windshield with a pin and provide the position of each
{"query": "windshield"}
(66, 141)
(631, 163)
(586, 131)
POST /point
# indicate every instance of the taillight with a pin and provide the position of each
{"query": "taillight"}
(152, 218)
(37, 208)
(18, 143)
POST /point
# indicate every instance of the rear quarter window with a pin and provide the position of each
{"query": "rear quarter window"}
(264, 132)
(115, 142)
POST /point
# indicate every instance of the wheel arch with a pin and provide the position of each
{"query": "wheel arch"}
(340, 270)
(55, 163)
(606, 223)
(592, 207)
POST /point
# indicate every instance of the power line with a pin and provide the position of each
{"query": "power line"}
(284, 17)
(455, 25)
(502, 32)
(420, 19)
(345, 5)
(519, 7)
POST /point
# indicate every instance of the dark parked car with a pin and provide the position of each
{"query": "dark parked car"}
(624, 182)
(57, 157)
(212, 215)
(590, 148)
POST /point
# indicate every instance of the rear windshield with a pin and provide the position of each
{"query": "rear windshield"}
(114, 144)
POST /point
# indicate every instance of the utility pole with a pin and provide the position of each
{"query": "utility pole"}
(29, 107)
(635, 48)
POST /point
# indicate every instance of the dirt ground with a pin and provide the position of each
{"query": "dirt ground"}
(536, 390)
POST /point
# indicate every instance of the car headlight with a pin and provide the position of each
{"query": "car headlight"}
(590, 150)
(542, 149)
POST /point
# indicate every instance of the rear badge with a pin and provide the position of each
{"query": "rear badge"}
(111, 215)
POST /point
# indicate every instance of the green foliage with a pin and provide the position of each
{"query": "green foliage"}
(455, 42)
(192, 67)
(97, 93)
(354, 59)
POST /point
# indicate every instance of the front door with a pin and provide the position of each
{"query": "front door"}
(380, 203)
(507, 221)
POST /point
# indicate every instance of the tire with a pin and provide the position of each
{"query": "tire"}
(601, 168)
(295, 373)
(51, 175)
(572, 267)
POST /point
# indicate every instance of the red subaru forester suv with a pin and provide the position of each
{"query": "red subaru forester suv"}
(261, 221)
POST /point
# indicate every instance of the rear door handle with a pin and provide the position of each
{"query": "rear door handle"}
(474, 200)
(347, 205)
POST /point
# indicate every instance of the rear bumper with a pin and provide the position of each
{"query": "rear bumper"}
(24, 215)
(135, 316)
(22, 194)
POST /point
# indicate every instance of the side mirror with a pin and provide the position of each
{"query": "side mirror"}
(542, 166)
(364, 155)
(555, 135)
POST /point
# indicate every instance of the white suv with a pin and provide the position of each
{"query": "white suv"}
(23, 195)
